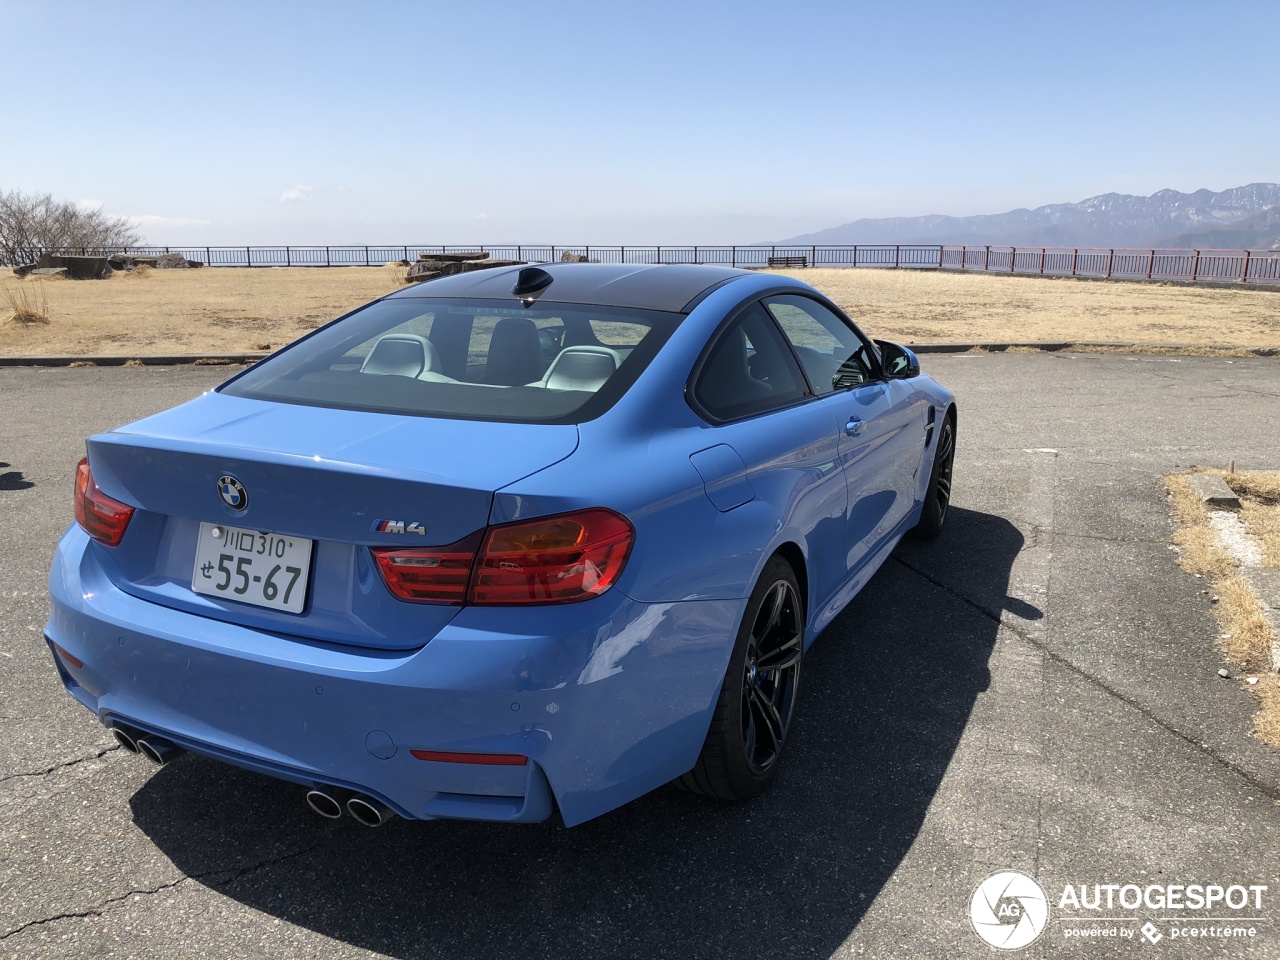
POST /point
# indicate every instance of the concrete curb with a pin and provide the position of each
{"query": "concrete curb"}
(1084, 346)
(163, 360)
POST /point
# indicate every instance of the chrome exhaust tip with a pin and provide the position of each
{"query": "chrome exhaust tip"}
(158, 751)
(125, 739)
(324, 804)
(368, 811)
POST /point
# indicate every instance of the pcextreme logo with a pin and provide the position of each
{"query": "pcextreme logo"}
(1010, 910)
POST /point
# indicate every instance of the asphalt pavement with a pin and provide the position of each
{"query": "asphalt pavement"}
(1036, 691)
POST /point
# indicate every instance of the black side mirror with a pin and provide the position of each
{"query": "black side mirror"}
(899, 362)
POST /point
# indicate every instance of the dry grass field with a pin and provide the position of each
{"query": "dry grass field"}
(233, 310)
(919, 306)
(211, 310)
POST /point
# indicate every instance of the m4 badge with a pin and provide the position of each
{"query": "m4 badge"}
(399, 526)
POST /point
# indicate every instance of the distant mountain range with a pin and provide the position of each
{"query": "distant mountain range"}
(1239, 217)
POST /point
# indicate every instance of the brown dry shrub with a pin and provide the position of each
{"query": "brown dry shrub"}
(1266, 722)
(28, 303)
(1247, 639)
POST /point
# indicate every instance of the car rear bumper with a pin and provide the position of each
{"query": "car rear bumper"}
(607, 699)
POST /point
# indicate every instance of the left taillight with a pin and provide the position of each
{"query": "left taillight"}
(560, 559)
(102, 517)
(431, 574)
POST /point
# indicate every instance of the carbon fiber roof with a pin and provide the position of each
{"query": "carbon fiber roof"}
(669, 287)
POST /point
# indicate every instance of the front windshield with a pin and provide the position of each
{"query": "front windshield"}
(466, 359)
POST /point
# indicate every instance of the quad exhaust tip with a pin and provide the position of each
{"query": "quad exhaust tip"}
(324, 804)
(158, 751)
(125, 738)
(330, 804)
(368, 811)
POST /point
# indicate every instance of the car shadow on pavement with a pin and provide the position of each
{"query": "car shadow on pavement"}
(13, 479)
(886, 695)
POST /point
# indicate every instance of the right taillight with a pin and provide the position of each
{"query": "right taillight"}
(560, 559)
(574, 556)
(102, 517)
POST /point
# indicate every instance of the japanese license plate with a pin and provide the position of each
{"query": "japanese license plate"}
(252, 566)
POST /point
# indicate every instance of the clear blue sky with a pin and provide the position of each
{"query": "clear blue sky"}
(619, 122)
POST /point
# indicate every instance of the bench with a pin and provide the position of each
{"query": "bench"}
(788, 261)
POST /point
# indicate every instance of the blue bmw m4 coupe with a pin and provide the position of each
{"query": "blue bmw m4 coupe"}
(501, 544)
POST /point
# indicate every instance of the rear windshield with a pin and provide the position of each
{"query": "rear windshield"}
(466, 359)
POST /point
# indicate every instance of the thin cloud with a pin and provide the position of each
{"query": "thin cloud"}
(154, 220)
(299, 191)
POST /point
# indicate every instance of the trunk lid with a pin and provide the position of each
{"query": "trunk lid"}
(331, 476)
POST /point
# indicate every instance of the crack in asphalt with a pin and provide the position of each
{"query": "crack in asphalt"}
(1094, 536)
(1267, 789)
(60, 766)
(233, 874)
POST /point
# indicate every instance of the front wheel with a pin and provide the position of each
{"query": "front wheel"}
(937, 497)
(758, 697)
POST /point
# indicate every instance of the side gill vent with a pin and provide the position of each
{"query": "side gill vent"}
(928, 427)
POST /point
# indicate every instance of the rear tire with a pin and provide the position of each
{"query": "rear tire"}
(757, 700)
(937, 497)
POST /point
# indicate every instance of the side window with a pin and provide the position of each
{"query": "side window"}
(834, 357)
(748, 370)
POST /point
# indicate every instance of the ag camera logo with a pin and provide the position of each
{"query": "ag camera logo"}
(1009, 911)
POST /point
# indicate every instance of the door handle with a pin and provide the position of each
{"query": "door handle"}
(853, 427)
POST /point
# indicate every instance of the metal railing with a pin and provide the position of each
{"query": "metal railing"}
(1223, 266)
(1236, 266)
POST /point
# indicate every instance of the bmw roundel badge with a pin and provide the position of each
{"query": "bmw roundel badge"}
(233, 493)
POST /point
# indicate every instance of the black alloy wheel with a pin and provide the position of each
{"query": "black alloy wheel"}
(937, 498)
(758, 699)
(771, 677)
